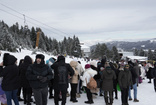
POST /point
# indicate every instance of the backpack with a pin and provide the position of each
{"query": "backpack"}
(92, 84)
(62, 74)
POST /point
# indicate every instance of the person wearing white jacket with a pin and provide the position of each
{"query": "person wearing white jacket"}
(86, 78)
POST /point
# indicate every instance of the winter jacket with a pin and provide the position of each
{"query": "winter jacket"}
(36, 70)
(108, 76)
(80, 69)
(125, 79)
(153, 72)
(137, 70)
(74, 79)
(115, 69)
(148, 67)
(61, 62)
(23, 69)
(142, 69)
(93, 66)
(87, 75)
(134, 74)
(149, 76)
(10, 74)
(1, 70)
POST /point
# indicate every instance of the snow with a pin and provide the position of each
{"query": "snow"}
(146, 93)
(140, 58)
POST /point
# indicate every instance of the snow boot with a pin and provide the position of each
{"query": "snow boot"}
(136, 100)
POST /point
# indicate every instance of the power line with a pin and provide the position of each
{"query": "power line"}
(11, 14)
(29, 21)
(33, 19)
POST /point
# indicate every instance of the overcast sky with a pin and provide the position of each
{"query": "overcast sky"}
(90, 20)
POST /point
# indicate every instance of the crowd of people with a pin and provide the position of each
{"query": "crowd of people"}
(39, 80)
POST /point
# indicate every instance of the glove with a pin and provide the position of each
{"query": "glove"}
(43, 79)
(39, 77)
(131, 87)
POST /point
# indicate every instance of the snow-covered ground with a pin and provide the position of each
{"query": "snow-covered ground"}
(146, 93)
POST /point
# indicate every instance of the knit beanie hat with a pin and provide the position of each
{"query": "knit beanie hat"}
(87, 66)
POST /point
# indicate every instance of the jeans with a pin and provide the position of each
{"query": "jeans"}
(12, 95)
(135, 91)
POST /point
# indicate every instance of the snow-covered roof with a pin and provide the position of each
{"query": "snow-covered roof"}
(140, 58)
(84, 46)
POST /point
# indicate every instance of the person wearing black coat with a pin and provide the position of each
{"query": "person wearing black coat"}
(38, 75)
(58, 87)
(154, 75)
(108, 76)
(125, 81)
(10, 82)
(148, 74)
(27, 90)
(134, 72)
(19, 89)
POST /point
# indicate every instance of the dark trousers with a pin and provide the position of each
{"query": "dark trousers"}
(73, 91)
(19, 92)
(27, 94)
(51, 87)
(57, 93)
(124, 95)
(79, 86)
(154, 81)
(108, 95)
(40, 96)
(115, 89)
(89, 95)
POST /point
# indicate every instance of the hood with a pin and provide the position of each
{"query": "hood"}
(52, 60)
(27, 60)
(61, 58)
(5, 59)
(73, 64)
(108, 70)
(135, 64)
(11, 60)
(91, 72)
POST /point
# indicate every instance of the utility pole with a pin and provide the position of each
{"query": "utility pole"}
(37, 42)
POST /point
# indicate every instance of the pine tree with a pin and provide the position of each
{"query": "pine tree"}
(154, 55)
(142, 53)
(136, 53)
(33, 37)
(115, 54)
(150, 54)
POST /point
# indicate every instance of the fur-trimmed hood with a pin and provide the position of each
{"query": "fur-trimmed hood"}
(73, 64)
